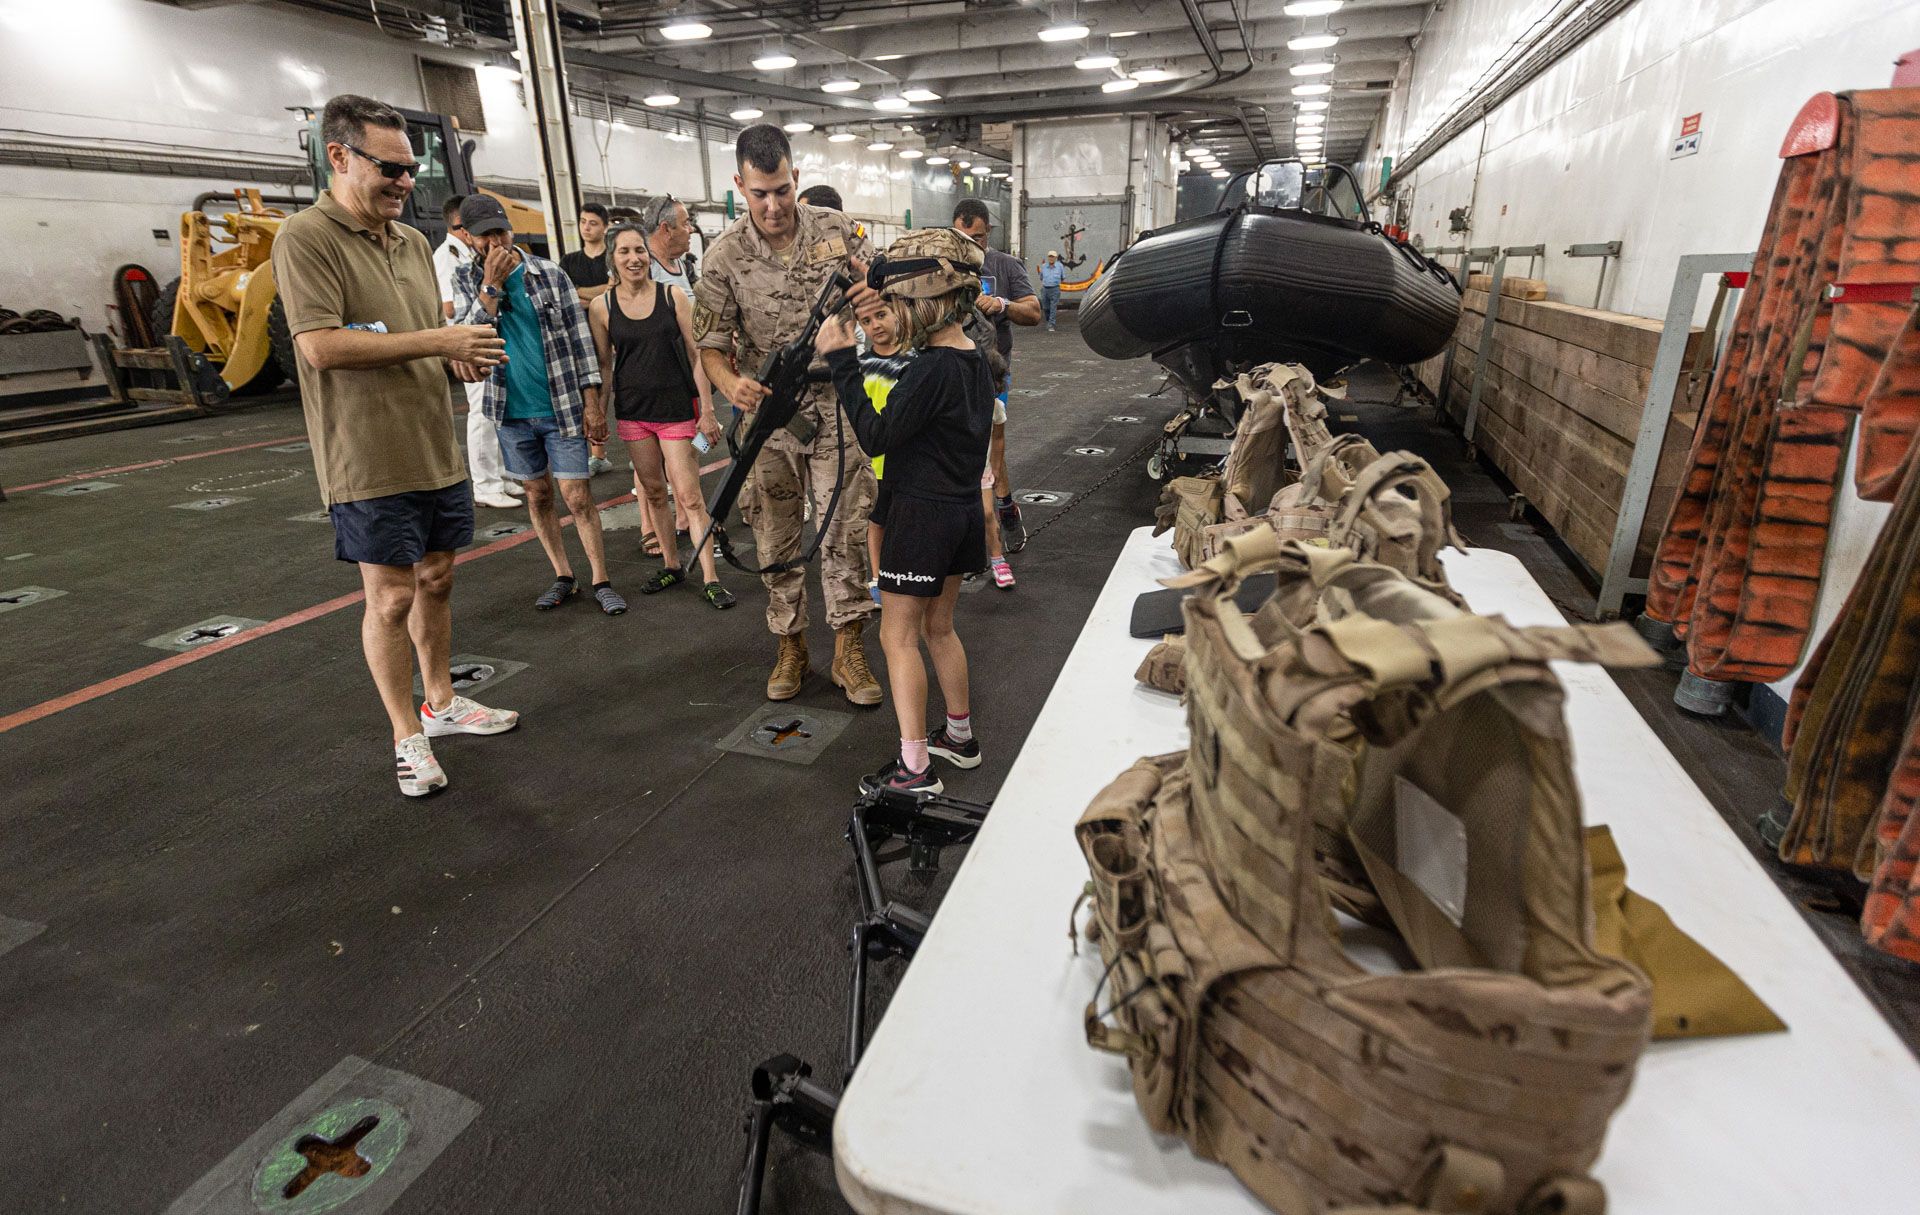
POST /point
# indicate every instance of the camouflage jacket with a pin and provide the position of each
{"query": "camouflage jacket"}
(748, 301)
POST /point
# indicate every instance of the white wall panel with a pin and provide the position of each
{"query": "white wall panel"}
(1582, 153)
(220, 78)
(1076, 158)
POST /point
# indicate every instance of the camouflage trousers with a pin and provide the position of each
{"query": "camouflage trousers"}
(772, 506)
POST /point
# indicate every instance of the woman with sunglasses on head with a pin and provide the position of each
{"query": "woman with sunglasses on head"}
(644, 332)
(935, 435)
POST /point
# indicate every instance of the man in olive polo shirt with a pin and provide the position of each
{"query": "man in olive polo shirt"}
(363, 304)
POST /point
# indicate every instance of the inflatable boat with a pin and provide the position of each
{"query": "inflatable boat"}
(1272, 277)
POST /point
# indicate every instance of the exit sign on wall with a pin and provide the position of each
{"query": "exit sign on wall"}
(1688, 141)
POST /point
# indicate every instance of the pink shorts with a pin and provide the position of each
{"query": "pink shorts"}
(682, 431)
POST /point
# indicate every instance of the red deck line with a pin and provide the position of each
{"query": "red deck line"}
(105, 687)
(125, 468)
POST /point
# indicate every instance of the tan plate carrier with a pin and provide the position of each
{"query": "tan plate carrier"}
(1483, 1080)
(1255, 486)
(1395, 511)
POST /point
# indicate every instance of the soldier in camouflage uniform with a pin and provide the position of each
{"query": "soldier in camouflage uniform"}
(758, 282)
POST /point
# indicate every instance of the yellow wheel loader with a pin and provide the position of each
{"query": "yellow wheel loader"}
(223, 305)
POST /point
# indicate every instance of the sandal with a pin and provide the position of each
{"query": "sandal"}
(649, 544)
(562, 590)
(719, 596)
(610, 600)
(662, 579)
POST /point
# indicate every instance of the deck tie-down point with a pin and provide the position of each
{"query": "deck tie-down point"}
(339, 1156)
(779, 734)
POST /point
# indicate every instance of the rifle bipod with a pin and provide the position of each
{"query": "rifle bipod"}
(784, 1093)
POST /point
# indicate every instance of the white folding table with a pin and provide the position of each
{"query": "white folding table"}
(978, 1093)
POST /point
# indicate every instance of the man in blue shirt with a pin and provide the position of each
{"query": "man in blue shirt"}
(546, 399)
(1052, 274)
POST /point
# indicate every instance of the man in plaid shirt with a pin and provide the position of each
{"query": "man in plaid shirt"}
(545, 399)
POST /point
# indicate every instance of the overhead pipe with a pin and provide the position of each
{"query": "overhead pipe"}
(1540, 52)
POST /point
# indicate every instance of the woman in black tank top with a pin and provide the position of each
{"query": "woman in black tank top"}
(650, 369)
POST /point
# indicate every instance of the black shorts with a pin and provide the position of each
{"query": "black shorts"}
(882, 503)
(400, 529)
(928, 541)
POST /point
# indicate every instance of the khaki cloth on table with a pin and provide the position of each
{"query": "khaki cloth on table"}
(1695, 995)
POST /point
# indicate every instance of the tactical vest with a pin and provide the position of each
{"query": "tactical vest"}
(1433, 743)
(1280, 403)
(1394, 511)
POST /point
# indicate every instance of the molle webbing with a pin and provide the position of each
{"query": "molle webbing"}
(1255, 488)
(1738, 568)
(1483, 1081)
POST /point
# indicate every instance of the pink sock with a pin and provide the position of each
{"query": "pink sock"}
(913, 753)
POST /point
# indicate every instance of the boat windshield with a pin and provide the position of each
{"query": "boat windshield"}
(1279, 184)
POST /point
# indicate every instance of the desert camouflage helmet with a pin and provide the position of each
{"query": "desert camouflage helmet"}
(928, 262)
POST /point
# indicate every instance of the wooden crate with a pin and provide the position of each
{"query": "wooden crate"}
(1560, 411)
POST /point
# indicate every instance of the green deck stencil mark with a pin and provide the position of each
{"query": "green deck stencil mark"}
(346, 1169)
(380, 1147)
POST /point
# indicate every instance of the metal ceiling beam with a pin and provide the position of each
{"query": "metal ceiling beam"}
(965, 47)
(731, 86)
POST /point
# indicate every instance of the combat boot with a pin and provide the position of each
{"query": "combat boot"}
(789, 668)
(849, 669)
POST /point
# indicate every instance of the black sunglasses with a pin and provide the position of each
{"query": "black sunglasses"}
(392, 170)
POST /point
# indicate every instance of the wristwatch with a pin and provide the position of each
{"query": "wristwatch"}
(490, 291)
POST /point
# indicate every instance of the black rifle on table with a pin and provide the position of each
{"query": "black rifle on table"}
(784, 372)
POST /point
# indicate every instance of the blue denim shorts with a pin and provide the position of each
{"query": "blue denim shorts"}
(532, 447)
(401, 529)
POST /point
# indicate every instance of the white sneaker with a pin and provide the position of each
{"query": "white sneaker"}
(465, 716)
(513, 489)
(497, 501)
(598, 464)
(413, 762)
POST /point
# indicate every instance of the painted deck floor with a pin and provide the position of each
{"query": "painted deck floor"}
(215, 907)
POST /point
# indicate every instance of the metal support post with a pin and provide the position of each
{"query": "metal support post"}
(1533, 253)
(1468, 259)
(1485, 352)
(1605, 251)
(536, 31)
(1669, 364)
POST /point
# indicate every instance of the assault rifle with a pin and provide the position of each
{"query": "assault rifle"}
(784, 372)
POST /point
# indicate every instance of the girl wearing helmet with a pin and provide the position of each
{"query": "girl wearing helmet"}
(934, 434)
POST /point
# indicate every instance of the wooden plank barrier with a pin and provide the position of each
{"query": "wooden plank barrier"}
(1561, 408)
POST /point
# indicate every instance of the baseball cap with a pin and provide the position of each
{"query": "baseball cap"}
(482, 213)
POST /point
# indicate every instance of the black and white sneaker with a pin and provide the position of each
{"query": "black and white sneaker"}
(413, 763)
(895, 775)
(1013, 530)
(959, 754)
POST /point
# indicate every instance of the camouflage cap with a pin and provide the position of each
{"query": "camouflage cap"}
(957, 264)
